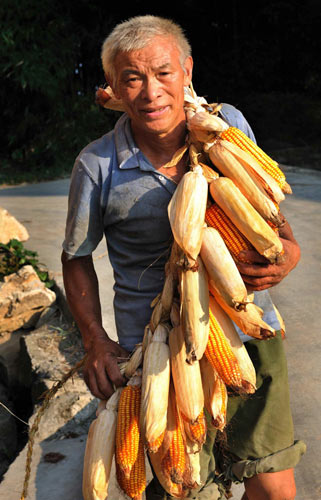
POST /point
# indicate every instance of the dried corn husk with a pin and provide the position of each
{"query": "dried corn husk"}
(221, 268)
(186, 212)
(231, 167)
(99, 452)
(258, 174)
(186, 377)
(215, 394)
(194, 312)
(245, 363)
(155, 387)
(246, 218)
(249, 320)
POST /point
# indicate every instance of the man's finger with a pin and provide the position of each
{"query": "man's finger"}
(252, 256)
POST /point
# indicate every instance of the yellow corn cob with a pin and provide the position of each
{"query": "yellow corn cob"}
(135, 484)
(194, 463)
(173, 489)
(194, 313)
(223, 273)
(236, 136)
(221, 356)
(215, 394)
(246, 218)
(262, 179)
(186, 212)
(244, 361)
(127, 430)
(99, 452)
(195, 431)
(186, 377)
(174, 458)
(155, 389)
(233, 238)
(231, 167)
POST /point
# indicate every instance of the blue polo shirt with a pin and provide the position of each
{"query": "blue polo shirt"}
(115, 192)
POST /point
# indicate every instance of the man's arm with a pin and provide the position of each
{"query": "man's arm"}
(81, 285)
(261, 275)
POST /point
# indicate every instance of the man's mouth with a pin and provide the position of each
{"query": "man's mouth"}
(155, 112)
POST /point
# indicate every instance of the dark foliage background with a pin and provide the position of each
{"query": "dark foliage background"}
(263, 57)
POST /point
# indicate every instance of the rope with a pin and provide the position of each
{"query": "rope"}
(32, 432)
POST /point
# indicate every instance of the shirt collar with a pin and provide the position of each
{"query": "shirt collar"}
(128, 154)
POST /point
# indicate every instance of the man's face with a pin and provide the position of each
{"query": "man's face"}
(150, 82)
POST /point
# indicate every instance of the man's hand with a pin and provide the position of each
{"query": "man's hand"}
(260, 274)
(101, 372)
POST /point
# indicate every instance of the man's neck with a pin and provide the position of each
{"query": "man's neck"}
(160, 148)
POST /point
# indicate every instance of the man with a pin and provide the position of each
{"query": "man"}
(121, 188)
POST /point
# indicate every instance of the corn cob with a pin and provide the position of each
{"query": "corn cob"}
(155, 389)
(173, 489)
(244, 361)
(135, 484)
(174, 453)
(246, 218)
(231, 167)
(233, 238)
(221, 356)
(249, 320)
(196, 431)
(186, 377)
(127, 430)
(236, 136)
(262, 178)
(194, 463)
(128, 368)
(194, 311)
(99, 452)
(221, 268)
(186, 212)
(215, 394)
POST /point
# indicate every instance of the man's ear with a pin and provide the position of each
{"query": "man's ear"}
(110, 82)
(188, 67)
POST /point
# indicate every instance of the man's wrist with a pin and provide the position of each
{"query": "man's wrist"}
(94, 333)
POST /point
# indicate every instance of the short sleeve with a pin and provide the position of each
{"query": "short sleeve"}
(84, 225)
(235, 118)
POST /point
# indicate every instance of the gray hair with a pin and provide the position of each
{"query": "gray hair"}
(136, 33)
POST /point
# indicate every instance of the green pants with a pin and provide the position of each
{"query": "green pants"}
(259, 435)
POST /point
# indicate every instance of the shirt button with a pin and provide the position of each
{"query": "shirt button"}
(161, 178)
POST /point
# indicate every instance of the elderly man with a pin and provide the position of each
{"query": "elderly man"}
(120, 188)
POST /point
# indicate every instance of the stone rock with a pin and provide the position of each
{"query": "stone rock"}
(10, 228)
(23, 297)
(46, 355)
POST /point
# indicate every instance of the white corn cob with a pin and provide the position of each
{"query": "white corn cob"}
(221, 268)
(99, 452)
(186, 212)
(246, 218)
(232, 168)
(155, 387)
(194, 313)
(186, 377)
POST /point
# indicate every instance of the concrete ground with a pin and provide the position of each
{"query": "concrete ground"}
(42, 209)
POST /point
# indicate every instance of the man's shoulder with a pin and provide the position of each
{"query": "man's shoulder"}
(235, 118)
(96, 159)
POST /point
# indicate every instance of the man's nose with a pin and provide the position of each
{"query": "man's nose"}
(151, 89)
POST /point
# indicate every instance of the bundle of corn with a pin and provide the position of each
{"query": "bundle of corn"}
(191, 356)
